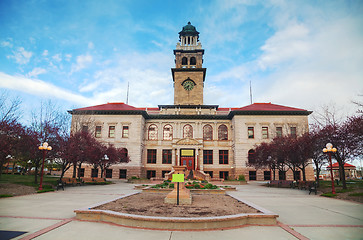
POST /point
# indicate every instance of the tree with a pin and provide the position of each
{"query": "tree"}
(112, 156)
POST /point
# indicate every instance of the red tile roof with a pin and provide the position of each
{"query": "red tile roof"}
(267, 107)
(346, 165)
(120, 106)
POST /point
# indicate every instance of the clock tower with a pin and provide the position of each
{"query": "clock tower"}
(188, 74)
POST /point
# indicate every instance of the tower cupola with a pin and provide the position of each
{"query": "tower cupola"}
(189, 38)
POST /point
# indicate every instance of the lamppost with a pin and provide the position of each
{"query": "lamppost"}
(43, 147)
(329, 150)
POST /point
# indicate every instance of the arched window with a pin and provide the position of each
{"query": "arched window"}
(153, 132)
(124, 153)
(184, 61)
(188, 131)
(251, 156)
(207, 132)
(168, 132)
(222, 132)
(193, 61)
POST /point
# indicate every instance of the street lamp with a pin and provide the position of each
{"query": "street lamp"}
(43, 147)
(329, 150)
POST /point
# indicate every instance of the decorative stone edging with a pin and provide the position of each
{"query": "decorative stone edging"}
(181, 223)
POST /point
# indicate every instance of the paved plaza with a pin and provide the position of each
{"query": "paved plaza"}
(301, 216)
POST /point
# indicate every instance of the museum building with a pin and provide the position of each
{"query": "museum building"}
(214, 142)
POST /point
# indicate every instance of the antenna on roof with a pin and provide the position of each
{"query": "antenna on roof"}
(251, 91)
(127, 97)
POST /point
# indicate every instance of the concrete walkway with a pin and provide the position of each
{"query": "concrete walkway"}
(302, 216)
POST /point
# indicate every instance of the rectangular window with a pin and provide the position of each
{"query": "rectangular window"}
(84, 128)
(123, 173)
(81, 173)
(223, 156)
(98, 131)
(111, 131)
(125, 131)
(267, 175)
(150, 174)
(251, 133)
(108, 173)
(210, 173)
(151, 156)
(163, 173)
(207, 156)
(278, 131)
(223, 175)
(264, 132)
(282, 175)
(252, 175)
(166, 156)
(94, 172)
(293, 132)
(297, 175)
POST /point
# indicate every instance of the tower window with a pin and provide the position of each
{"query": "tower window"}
(184, 61)
(193, 61)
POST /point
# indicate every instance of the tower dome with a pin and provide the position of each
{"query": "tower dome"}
(189, 30)
(189, 38)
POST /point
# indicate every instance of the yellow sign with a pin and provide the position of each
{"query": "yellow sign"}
(178, 178)
(187, 152)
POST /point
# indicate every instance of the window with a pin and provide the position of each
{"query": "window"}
(163, 173)
(278, 131)
(184, 61)
(188, 131)
(207, 132)
(94, 172)
(223, 175)
(264, 132)
(166, 156)
(266, 175)
(223, 132)
(251, 133)
(207, 156)
(223, 156)
(193, 61)
(151, 156)
(98, 131)
(124, 153)
(81, 172)
(297, 175)
(282, 175)
(293, 132)
(168, 132)
(84, 128)
(125, 131)
(123, 173)
(252, 175)
(150, 174)
(108, 173)
(251, 156)
(111, 131)
(210, 173)
(153, 132)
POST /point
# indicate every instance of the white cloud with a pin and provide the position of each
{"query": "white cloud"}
(6, 44)
(41, 89)
(57, 57)
(45, 53)
(91, 45)
(21, 56)
(35, 72)
(68, 57)
(82, 62)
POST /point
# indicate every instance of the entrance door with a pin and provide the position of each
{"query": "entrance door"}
(188, 162)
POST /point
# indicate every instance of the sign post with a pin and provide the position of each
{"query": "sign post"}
(177, 178)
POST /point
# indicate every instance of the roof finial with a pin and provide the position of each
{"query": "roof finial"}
(189, 23)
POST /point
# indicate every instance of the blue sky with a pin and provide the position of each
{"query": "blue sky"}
(302, 54)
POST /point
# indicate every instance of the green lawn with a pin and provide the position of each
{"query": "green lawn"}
(28, 180)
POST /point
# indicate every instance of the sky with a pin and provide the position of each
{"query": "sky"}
(304, 54)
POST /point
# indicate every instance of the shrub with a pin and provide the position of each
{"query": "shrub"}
(328, 195)
(241, 178)
(171, 185)
(5, 195)
(356, 194)
(45, 190)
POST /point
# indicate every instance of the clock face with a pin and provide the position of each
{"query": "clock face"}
(188, 85)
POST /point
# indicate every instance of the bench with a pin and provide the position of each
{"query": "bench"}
(71, 181)
(60, 184)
